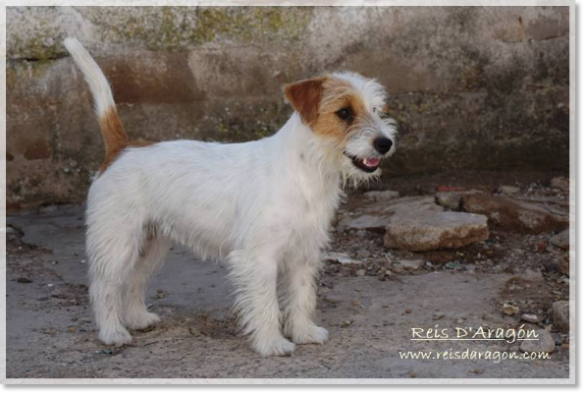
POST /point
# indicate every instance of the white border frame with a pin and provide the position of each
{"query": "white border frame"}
(374, 3)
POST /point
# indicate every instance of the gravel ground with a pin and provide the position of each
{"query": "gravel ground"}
(369, 306)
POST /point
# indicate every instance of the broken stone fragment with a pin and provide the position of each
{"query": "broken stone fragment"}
(515, 214)
(428, 231)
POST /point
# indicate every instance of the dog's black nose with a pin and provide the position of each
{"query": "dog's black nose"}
(383, 145)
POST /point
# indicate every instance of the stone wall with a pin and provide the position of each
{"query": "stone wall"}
(484, 88)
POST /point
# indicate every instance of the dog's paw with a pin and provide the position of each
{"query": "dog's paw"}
(311, 334)
(279, 347)
(141, 320)
(118, 337)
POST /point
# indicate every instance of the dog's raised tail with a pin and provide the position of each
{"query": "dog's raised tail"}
(115, 136)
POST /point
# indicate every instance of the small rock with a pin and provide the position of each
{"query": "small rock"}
(531, 318)
(561, 240)
(381, 196)
(563, 264)
(24, 280)
(509, 309)
(397, 268)
(361, 273)
(452, 200)
(425, 231)
(346, 324)
(363, 253)
(560, 183)
(333, 299)
(509, 190)
(544, 343)
(408, 311)
(412, 264)
(560, 314)
(438, 316)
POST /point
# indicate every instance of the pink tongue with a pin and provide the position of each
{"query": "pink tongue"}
(371, 162)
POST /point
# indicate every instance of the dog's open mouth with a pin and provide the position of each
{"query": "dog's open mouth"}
(367, 165)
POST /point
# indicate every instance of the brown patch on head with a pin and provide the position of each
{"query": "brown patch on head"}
(305, 97)
(115, 138)
(338, 95)
(318, 101)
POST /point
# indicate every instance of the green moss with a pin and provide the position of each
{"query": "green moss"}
(177, 28)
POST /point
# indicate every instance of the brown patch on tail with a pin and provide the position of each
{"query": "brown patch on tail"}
(115, 138)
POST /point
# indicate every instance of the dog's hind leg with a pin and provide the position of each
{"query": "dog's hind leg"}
(111, 261)
(152, 257)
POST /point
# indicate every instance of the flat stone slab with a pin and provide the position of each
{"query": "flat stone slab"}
(435, 231)
(516, 214)
(376, 216)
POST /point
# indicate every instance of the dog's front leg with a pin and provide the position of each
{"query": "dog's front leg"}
(255, 277)
(300, 301)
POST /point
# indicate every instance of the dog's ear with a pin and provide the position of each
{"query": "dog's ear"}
(305, 96)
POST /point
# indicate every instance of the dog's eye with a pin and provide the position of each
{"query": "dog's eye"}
(344, 113)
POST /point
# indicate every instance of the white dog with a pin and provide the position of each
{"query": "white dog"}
(263, 206)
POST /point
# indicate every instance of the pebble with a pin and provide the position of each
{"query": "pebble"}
(560, 183)
(412, 264)
(24, 280)
(333, 299)
(544, 343)
(509, 190)
(363, 253)
(531, 318)
(361, 273)
(509, 309)
(560, 314)
(438, 316)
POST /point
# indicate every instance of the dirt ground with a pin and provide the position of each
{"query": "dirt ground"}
(369, 309)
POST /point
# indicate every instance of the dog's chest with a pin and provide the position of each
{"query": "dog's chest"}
(312, 205)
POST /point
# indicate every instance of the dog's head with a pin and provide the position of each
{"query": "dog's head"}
(345, 109)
